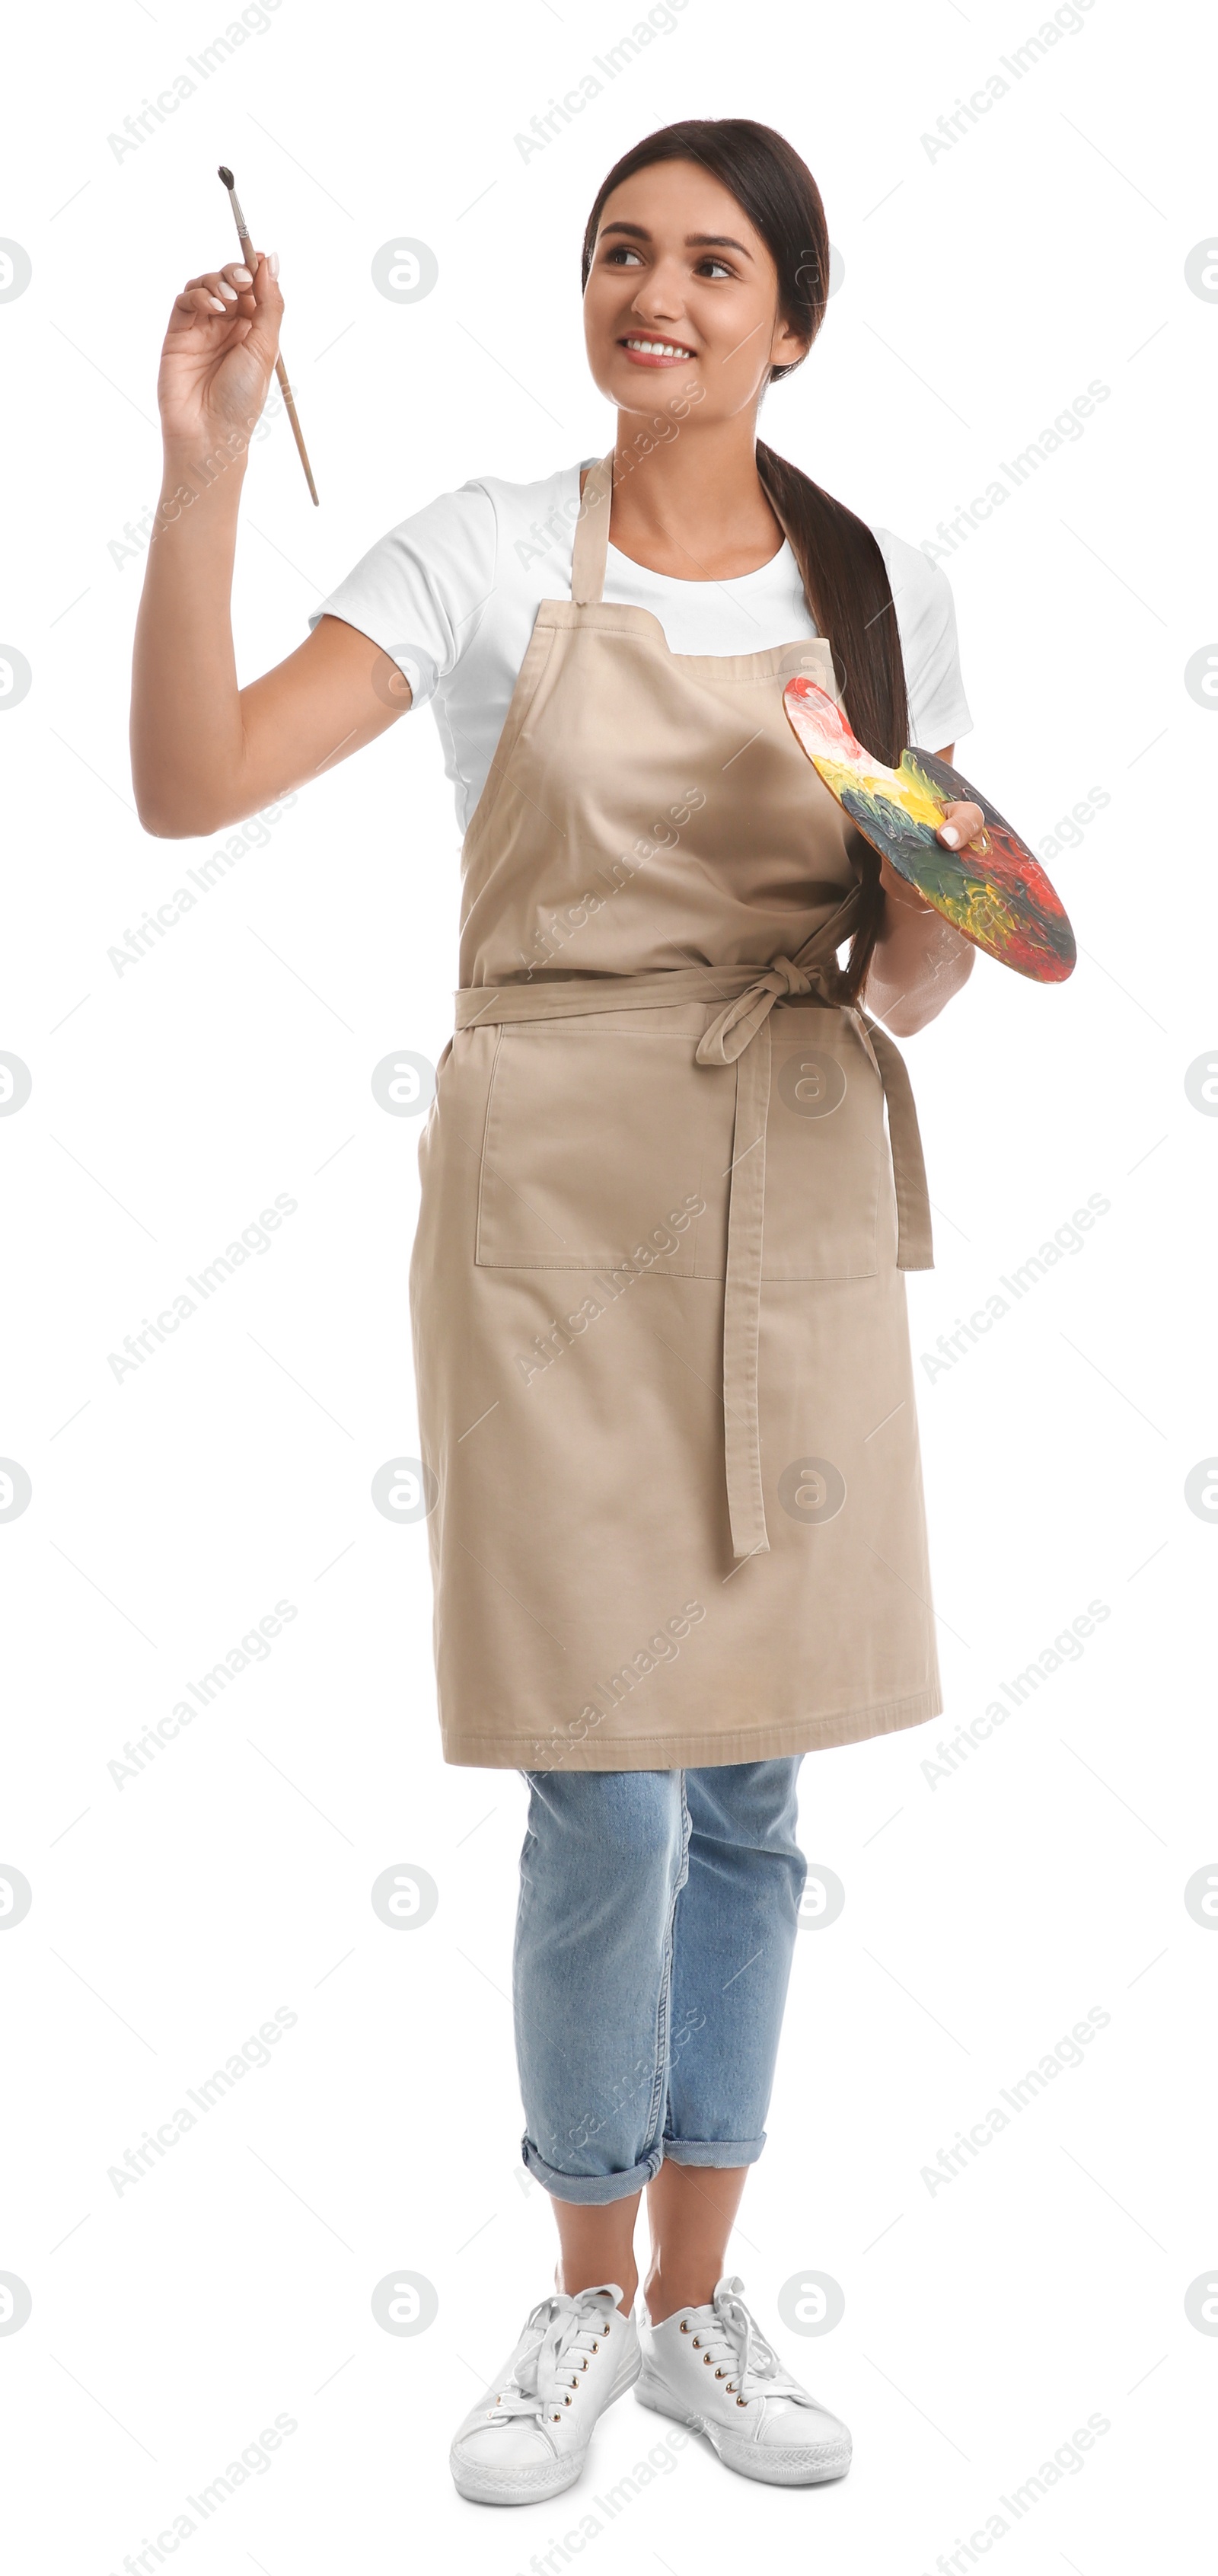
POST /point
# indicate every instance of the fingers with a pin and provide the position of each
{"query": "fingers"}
(266, 280)
(267, 307)
(235, 290)
(963, 827)
(218, 290)
(196, 303)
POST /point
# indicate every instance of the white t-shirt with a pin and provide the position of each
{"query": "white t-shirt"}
(451, 595)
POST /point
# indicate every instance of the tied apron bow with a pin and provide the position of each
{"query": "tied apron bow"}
(740, 1035)
(782, 981)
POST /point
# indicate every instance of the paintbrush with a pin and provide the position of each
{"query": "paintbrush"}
(250, 258)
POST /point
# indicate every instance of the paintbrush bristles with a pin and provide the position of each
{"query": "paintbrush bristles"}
(230, 184)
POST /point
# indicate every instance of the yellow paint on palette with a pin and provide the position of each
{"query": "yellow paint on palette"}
(994, 891)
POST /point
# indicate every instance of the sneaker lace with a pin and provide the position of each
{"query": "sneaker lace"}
(564, 2333)
(736, 2337)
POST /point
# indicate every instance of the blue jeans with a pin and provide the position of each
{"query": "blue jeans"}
(658, 1914)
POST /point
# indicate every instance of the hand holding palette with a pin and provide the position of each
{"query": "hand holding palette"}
(1000, 898)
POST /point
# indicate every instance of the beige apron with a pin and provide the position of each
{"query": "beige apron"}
(665, 1389)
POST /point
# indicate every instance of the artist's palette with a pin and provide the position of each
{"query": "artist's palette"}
(1000, 899)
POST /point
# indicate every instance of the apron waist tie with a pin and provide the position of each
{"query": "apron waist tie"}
(740, 1035)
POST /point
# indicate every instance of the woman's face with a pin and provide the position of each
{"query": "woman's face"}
(682, 298)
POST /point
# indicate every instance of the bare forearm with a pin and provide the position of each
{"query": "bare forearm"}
(918, 962)
(187, 736)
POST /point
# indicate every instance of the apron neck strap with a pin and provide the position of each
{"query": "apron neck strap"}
(592, 536)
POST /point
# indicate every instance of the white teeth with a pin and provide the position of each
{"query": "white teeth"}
(659, 349)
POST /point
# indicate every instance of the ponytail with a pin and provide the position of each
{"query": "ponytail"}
(849, 598)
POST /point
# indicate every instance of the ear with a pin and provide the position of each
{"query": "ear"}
(788, 345)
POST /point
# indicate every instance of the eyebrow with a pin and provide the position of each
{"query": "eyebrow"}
(693, 241)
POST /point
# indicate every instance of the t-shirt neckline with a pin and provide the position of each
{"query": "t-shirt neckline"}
(760, 575)
(672, 581)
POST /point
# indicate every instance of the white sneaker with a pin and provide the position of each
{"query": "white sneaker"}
(713, 2369)
(528, 2437)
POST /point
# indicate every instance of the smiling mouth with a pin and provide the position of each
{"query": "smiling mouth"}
(655, 353)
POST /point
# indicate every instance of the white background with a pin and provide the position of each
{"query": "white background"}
(986, 1912)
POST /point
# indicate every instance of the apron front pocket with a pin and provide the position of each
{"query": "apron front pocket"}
(828, 1188)
(604, 1149)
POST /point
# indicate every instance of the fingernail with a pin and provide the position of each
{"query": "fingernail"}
(949, 834)
(217, 304)
(272, 261)
(228, 292)
(243, 275)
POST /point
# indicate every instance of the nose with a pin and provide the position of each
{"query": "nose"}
(660, 297)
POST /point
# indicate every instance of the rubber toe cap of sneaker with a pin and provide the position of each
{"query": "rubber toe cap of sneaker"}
(518, 2445)
(788, 2426)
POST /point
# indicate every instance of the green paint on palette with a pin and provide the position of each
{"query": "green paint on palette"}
(1000, 898)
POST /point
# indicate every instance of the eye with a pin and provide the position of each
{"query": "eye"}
(618, 254)
(712, 262)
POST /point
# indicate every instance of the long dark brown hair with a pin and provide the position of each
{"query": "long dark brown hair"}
(844, 576)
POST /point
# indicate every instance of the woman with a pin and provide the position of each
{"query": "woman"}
(665, 1393)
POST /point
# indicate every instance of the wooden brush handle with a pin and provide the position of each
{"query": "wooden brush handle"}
(250, 257)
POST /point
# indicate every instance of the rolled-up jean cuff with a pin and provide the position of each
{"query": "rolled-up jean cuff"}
(713, 2151)
(593, 2191)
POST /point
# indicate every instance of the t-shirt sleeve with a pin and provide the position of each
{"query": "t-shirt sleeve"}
(421, 590)
(926, 623)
